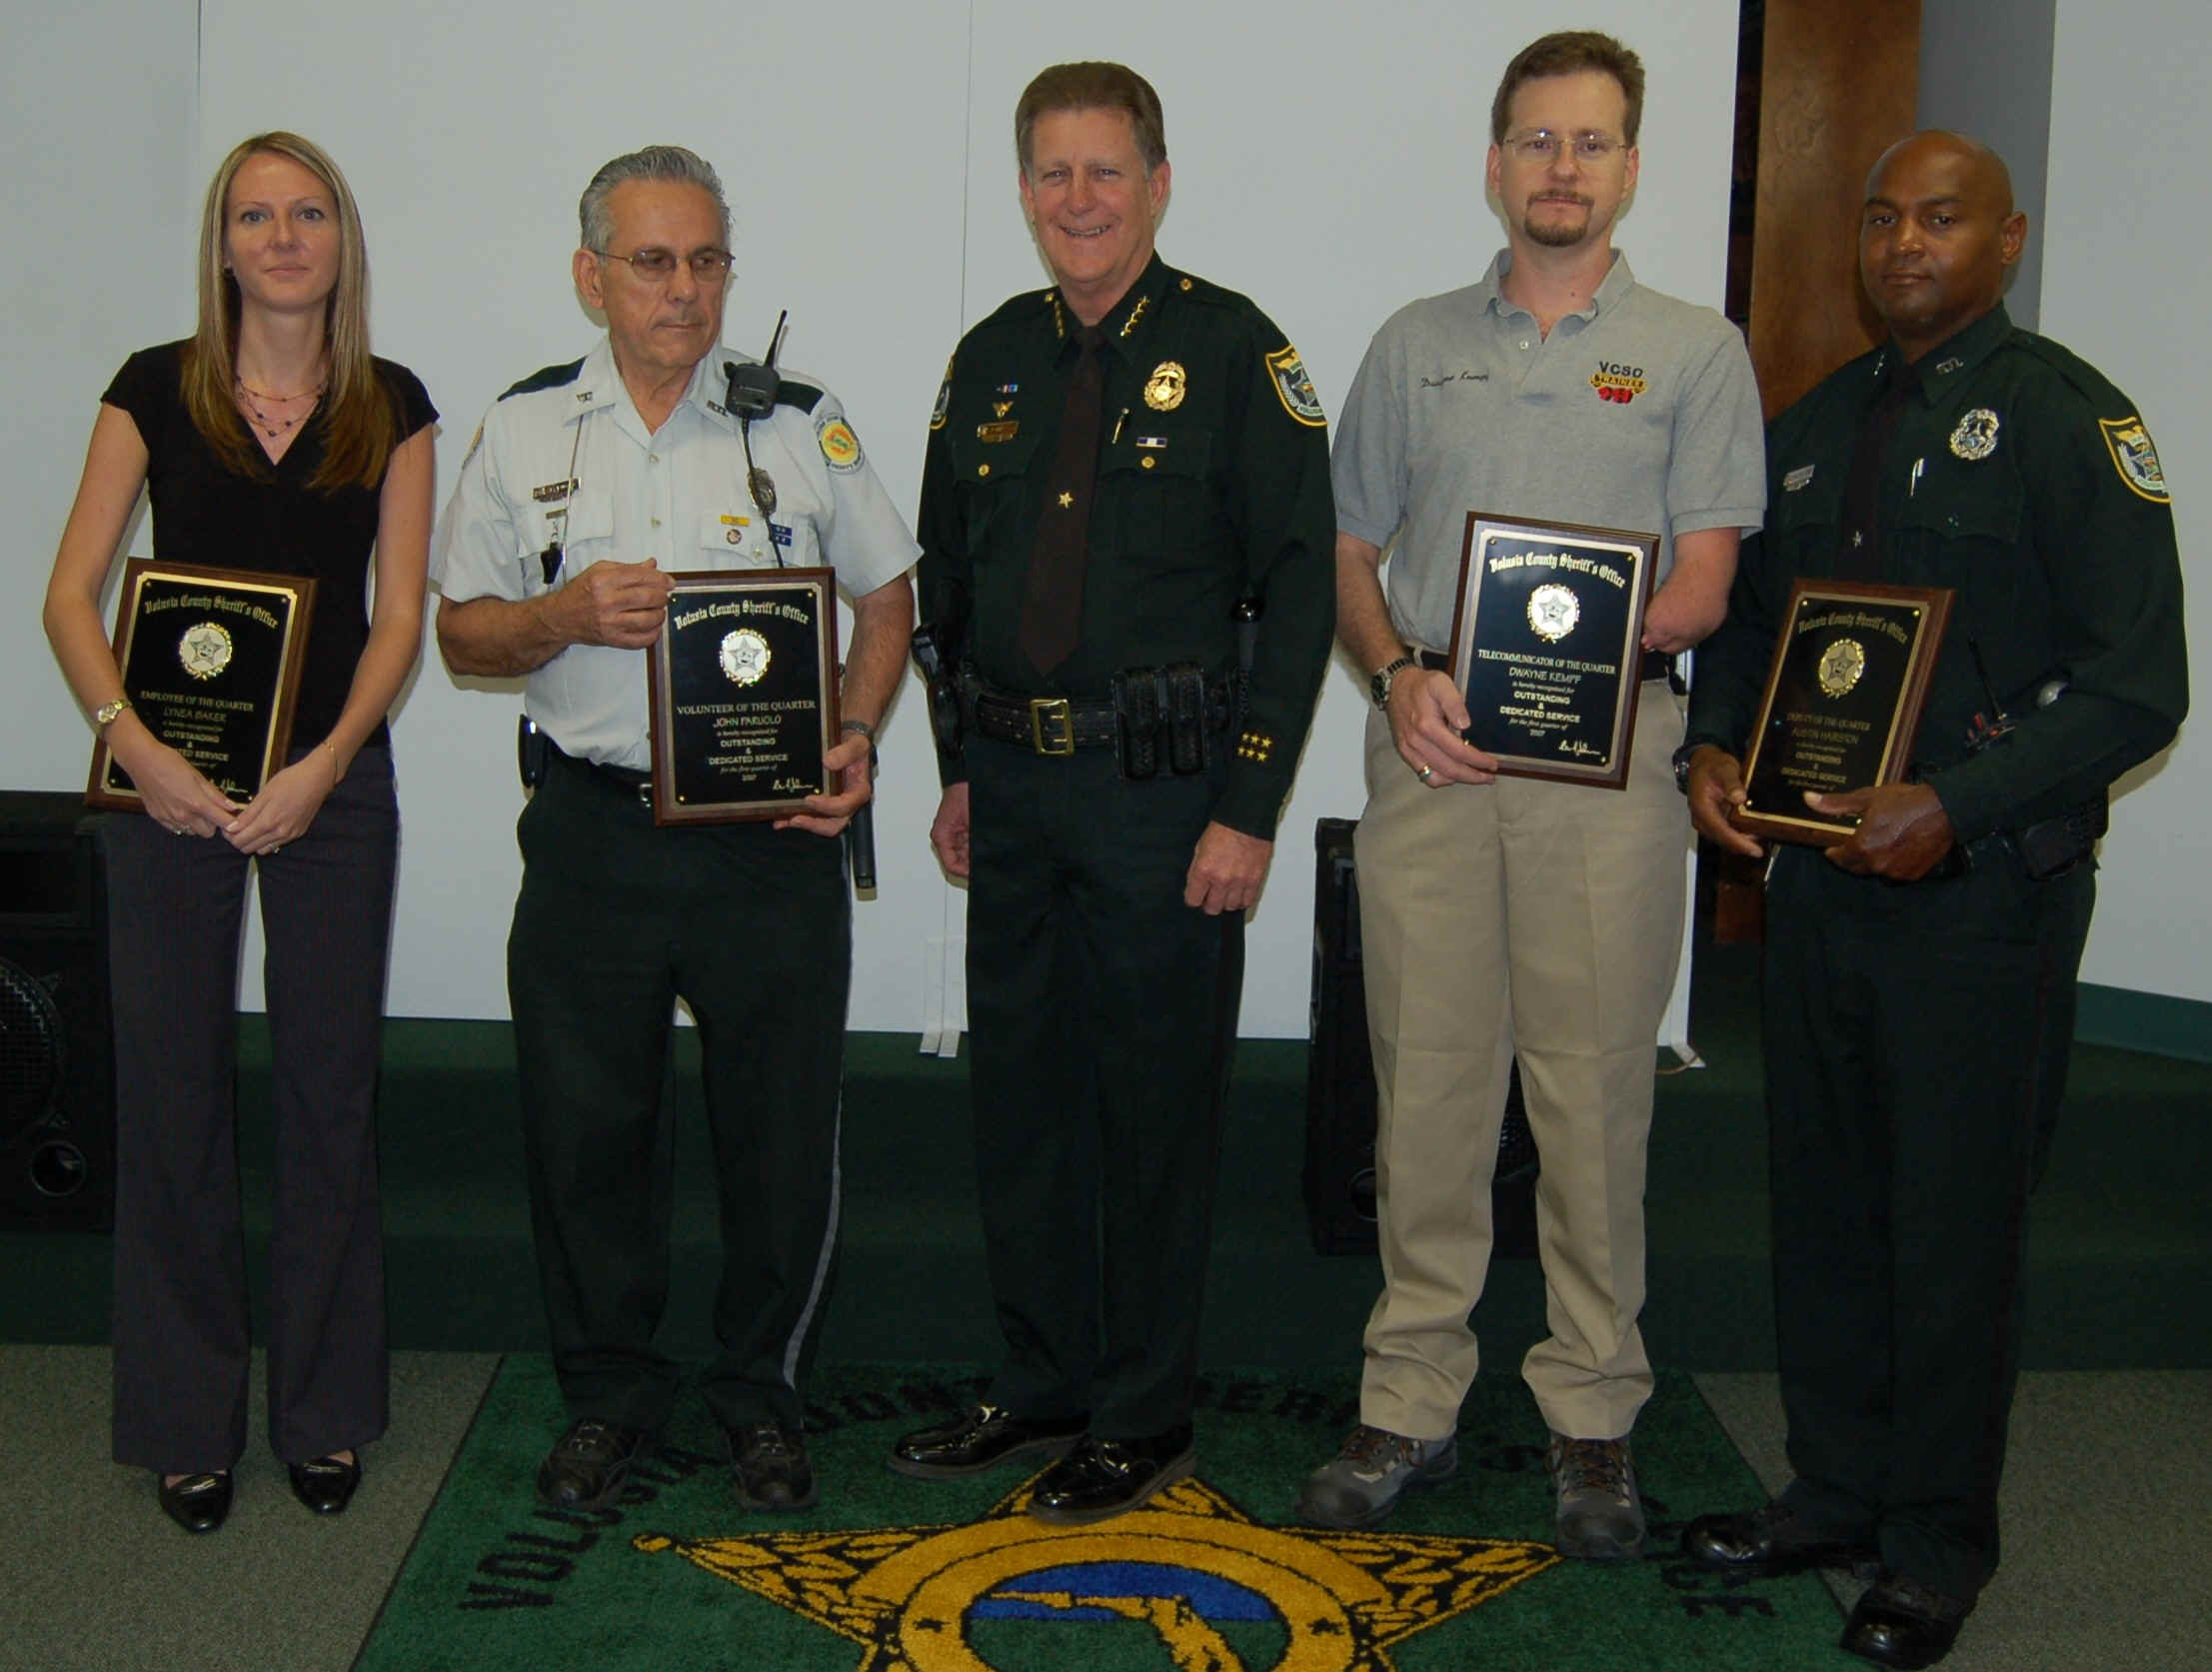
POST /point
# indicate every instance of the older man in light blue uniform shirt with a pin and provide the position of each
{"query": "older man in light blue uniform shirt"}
(588, 483)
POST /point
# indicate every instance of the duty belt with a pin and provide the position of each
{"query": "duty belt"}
(1043, 724)
(1063, 724)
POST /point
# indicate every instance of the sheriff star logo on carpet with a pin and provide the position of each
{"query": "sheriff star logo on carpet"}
(1216, 1589)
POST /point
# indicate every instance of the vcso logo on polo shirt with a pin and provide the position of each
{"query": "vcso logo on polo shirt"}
(1615, 382)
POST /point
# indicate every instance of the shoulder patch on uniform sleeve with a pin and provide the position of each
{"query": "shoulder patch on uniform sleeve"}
(475, 440)
(805, 396)
(943, 399)
(2134, 457)
(840, 446)
(1294, 389)
(552, 377)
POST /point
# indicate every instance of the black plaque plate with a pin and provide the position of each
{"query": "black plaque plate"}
(743, 694)
(211, 662)
(1842, 704)
(1546, 645)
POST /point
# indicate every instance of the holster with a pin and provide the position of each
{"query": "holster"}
(942, 688)
(2053, 847)
(531, 749)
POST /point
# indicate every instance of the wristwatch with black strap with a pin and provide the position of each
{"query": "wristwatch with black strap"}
(1681, 760)
(1378, 686)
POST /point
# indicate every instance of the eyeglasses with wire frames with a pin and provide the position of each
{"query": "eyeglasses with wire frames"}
(657, 266)
(1541, 145)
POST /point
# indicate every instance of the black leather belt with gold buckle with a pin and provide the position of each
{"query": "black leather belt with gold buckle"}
(1043, 725)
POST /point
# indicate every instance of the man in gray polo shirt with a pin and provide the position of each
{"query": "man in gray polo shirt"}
(1520, 916)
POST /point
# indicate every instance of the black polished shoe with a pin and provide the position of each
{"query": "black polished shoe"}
(1770, 1541)
(770, 1467)
(981, 1439)
(1900, 1622)
(196, 1502)
(1101, 1478)
(327, 1484)
(587, 1465)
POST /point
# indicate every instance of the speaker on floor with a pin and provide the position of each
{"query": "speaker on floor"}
(57, 1089)
(1339, 1084)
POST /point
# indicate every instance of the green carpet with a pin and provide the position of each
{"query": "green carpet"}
(893, 1575)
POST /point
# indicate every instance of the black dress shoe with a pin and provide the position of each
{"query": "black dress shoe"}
(1900, 1622)
(1101, 1478)
(327, 1484)
(770, 1470)
(981, 1439)
(197, 1502)
(1771, 1540)
(587, 1465)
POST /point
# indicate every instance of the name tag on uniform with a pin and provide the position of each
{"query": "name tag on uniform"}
(997, 432)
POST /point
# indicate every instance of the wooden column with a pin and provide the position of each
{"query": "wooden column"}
(1837, 88)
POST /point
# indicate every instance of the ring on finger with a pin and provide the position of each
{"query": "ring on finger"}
(1424, 772)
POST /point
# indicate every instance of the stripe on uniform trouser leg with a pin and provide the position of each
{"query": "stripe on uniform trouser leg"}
(795, 1348)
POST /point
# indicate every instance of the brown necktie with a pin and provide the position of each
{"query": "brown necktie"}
(1859, 557)
(1051, 600)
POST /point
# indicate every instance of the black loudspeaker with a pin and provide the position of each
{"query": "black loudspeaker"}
(1339, 1084)
(57, 1074)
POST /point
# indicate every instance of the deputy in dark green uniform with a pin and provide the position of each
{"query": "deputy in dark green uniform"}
(1115, 465)
(1920, 976)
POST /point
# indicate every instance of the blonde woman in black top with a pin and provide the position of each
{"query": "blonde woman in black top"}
(269, 439)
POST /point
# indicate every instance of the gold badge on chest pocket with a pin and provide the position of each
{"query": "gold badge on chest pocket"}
(1976, 436)
(1163, 390)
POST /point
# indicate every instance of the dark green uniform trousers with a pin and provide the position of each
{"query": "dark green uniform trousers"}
(1916, 1044)
(752, 928)
(1103, 1010)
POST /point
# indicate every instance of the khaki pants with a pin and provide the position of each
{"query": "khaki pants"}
(1534, 920)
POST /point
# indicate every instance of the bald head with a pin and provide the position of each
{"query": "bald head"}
(1972, 160)
(1936, 236)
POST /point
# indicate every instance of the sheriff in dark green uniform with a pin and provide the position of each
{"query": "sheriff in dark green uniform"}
(1115, 466)
(1920, 976)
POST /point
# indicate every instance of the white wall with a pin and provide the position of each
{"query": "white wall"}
(1327, 163)
(1986, 70)
(104, 214)
(2125, 250)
